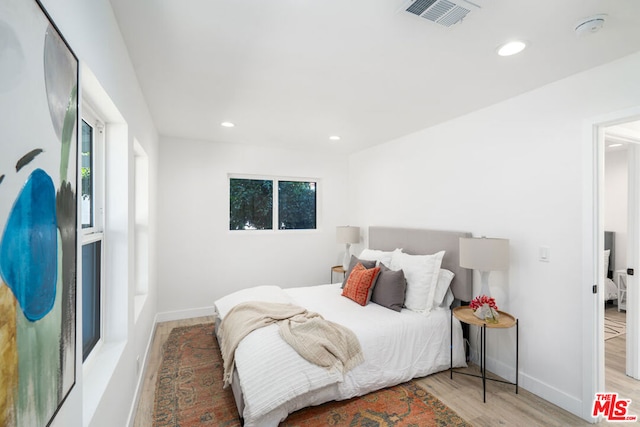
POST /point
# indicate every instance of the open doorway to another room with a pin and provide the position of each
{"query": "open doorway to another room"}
(616, 207)
(615, 257)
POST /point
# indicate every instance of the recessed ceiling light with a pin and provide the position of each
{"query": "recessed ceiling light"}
(334, 138)
(615, 145)
(227, 124)
(511, 48)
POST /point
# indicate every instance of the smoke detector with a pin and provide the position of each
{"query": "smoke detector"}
(443, 12)
(590, 25)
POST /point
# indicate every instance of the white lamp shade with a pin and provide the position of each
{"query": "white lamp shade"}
(347, 234)
(484, 254)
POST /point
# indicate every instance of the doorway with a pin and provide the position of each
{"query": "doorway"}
(620, 210)
(616, 372)
(593, 360)
(615, 211)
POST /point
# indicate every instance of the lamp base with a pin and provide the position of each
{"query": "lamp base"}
(484, 283)
(347, 257)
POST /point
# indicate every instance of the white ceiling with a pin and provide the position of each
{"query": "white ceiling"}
(291, 73)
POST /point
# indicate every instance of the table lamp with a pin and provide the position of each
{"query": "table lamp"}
(485, 255)
(347, 235)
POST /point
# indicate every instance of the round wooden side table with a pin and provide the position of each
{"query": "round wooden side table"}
(505, 320)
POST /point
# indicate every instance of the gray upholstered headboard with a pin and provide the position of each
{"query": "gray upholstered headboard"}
(610, 243)
(417, 241)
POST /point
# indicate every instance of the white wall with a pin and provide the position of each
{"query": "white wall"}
(615, 203)
(513, 170)
(521, 180)
(200, 260)
(92, 32)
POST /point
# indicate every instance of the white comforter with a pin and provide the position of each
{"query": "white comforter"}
(611, 290)
(276, 381)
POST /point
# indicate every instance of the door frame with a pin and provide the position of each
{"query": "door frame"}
(633, 252)
(593, 362)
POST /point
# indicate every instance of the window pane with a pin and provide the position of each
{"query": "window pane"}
(250, 204)
(296, 205)
(90, 296)
(86, 162)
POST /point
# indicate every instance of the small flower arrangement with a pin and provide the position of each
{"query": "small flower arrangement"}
(481, 300)
(485, 308)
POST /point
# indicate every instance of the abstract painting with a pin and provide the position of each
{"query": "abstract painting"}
(38, 175)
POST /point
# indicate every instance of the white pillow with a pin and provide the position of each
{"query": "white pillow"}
(607, 253)
(444, 280)
(446, 303)
(383, 257)
(421, 272)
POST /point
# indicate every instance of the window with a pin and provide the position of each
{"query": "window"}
(91, 171)
(251, 204)
(86, 165)
(91, 296)
(296, 205)
(267, 204)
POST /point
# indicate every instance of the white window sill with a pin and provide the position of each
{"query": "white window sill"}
(96, 372)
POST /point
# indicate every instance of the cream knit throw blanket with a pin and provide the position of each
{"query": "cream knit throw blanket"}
(317, 340)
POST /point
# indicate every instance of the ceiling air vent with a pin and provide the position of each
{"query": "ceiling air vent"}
(443, 12)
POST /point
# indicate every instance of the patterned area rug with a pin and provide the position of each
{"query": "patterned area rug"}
(189, 393)
(189, 385)
(613, 328)
(407, 405)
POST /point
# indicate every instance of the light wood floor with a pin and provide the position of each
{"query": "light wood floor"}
(144, 412)
(504, 408)
(615, 362)
(463, 394)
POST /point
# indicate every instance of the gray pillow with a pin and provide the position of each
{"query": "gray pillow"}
(390, 288)
(352, 263)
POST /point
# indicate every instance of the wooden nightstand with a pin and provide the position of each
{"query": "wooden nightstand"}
(337, 269)
(505, 321)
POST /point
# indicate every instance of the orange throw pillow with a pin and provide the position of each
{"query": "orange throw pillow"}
(360, 284)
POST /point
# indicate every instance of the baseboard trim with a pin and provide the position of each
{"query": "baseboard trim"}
(185, 314)
(141, 375)
(533, 385)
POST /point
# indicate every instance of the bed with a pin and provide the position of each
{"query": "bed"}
(271, 380)
(610, 287)
(615, 286)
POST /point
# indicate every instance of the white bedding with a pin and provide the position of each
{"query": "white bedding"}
(397, 347)
(611, 290)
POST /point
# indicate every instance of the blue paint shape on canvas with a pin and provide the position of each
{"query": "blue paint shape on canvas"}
(28, 250)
